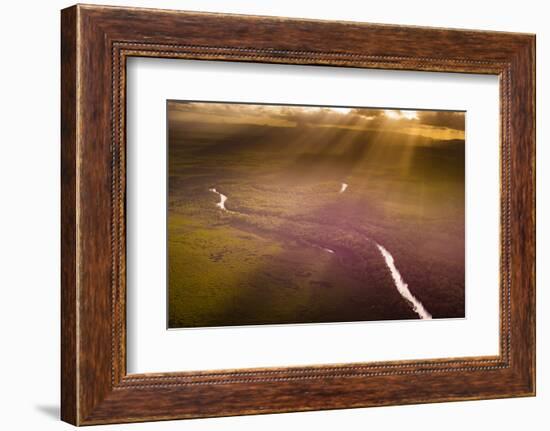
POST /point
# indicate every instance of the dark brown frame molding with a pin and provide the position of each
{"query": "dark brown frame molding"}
(95, 43)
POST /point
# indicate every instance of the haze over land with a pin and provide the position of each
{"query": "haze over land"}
(291, 243)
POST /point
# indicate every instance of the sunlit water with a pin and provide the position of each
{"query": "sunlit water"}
(223, 198)
(401, 286)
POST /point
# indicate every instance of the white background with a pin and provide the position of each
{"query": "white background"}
(151, 348)
(29, 228)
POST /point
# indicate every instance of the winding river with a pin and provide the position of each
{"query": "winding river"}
(223, 198)
(400, 284)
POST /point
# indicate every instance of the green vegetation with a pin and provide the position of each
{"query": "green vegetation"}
(267, 259)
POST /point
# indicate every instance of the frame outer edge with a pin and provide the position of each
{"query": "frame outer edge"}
(530, 79)
(87, 397)
(69, 202)
(523, 216)
(533, 53)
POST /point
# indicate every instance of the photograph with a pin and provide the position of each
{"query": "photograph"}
(288, 214)
(275, 215)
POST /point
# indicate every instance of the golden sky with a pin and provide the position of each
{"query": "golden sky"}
(440, 125)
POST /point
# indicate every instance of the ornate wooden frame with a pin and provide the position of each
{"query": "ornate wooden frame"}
(95, 42)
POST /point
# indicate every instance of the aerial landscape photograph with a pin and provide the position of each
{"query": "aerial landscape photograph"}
(298, 214)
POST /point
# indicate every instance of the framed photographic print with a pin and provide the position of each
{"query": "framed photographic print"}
(266, 215)
(315, 192)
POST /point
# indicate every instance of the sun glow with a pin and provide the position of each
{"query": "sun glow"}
(336, 109)
(395, 114)
(409, 115)
(342, 110)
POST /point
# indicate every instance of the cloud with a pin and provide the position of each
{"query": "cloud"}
(443, 119)
(437, 124)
